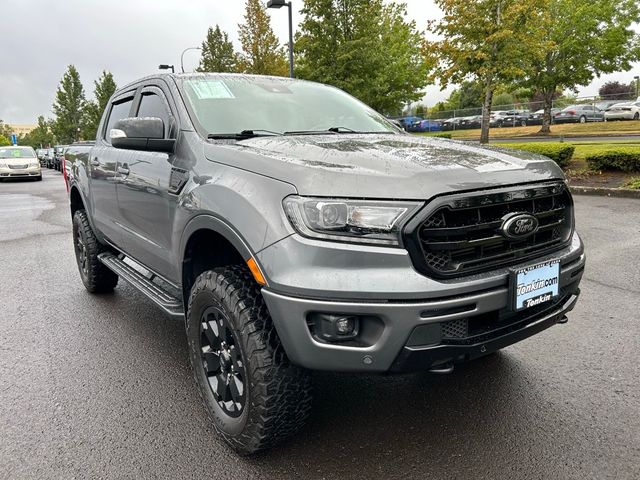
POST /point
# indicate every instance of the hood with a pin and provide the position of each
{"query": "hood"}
(382, 166)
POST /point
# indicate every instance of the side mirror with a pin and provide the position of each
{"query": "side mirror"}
(141, 133)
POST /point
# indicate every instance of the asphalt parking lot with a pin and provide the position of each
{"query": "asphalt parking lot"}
(100, 386)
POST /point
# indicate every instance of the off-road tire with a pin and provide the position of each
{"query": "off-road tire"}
(95, 276)
(278, 394)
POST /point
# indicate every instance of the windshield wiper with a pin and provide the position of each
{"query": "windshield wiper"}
(244, 134)
(333, 130)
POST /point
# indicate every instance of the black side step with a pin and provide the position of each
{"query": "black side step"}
(161, 297)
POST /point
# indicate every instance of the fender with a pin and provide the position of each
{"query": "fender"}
(215, 224)
(74, 185)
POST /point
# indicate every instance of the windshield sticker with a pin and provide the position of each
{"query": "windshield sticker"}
(210, 89)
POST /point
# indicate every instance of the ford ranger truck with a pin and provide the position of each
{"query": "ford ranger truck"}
(295, 229)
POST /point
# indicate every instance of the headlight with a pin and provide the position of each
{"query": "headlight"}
(355, 221)
(3, 164)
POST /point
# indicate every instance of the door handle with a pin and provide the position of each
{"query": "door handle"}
(123, 170)
(94, 161)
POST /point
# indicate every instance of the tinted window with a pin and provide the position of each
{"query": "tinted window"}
(118, 112)
(152, 105)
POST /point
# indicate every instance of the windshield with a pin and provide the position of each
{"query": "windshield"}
(228, 104)
(17, 153)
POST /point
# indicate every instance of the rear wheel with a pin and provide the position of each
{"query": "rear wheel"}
(95, 276)
(254, 395)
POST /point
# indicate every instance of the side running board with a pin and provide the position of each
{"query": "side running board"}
(169, 302)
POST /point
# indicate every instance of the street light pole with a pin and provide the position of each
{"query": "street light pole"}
(182, 56)
(637, 79)
(283, 3)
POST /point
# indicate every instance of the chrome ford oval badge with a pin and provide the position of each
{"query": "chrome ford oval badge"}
(518, 226)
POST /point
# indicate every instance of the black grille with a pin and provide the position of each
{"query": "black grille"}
(460, 235)
(454, 329)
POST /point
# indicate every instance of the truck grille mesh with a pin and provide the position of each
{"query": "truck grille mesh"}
(462, 235)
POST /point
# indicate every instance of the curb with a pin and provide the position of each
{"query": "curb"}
(606, 192)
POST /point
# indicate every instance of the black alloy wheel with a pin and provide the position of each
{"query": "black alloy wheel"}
(81, 250)
(222, 362)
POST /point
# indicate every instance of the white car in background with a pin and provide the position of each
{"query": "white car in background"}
(623, 111)
(19, 162)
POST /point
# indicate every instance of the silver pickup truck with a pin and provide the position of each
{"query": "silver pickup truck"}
(295, 229)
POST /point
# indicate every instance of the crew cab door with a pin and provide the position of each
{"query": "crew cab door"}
(103, 160)
(146, 202)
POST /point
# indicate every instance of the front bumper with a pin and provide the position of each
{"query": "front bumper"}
(398, 301)
(619, 115)
(6, 172)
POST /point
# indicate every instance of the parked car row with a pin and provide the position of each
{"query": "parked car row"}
(51, 157)
(599, 112)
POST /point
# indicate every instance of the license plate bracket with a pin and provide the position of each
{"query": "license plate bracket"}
(534, 285)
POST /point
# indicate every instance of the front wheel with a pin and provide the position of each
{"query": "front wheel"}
(636, 116)
(583, 119)
(254, 395)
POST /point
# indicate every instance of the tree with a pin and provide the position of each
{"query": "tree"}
(39, 137)
(585, 39)
(617, 91)
(68, 106)
(261, 51)
(4, 141)
(5, 129)
(490, 41)
(104, 88)
(365, 48)
(218, 54)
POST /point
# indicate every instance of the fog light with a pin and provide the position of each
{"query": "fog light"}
(334, 328)
(345, 325)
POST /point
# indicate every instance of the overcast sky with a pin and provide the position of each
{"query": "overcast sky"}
(129, 38)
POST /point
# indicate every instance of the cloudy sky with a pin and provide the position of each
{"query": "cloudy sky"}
(129, 38)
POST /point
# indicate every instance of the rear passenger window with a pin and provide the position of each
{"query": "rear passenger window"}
(118, 112)
(153, 105)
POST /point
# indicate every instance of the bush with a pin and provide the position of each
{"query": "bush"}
(559, 152)
(626, 159)
(633, 184)
(439, 135)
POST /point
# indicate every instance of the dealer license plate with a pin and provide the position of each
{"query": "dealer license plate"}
(535, 285)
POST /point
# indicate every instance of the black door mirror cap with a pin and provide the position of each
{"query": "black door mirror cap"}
(141, 133)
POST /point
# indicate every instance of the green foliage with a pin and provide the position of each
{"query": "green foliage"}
(4, 141)
(218, 54)
(633, 184)
(584, 39)
(5, 130)
(559, 152)
(39, 137)
(439, 135)
(104, 87)
(68, 106)
(364, 47)
(626, 159)
(261, 51)
(503, 100)
(491, 41)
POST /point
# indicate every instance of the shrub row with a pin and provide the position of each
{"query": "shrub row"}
(559, 152)
(626, 159)
(440, 135)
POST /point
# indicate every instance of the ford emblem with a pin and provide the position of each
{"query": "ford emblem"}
(518, 226)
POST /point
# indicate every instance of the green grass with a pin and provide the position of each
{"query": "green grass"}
(633, 184)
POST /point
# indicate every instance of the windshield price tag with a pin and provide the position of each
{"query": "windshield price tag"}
(210, 89)
(535, 285)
